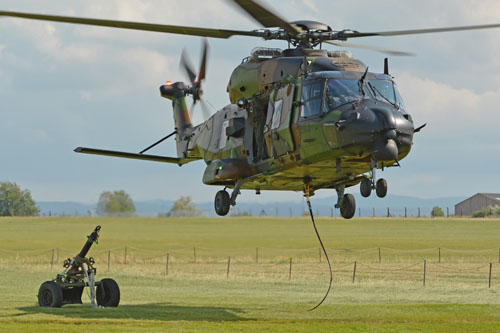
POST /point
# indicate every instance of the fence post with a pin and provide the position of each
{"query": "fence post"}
(406, 215)
(388, 212)
(419, 212)
(256, 255)
(52, 260)
(447, 211)
(125, 261)
(379, 256)
(359, 212)
(166, 265)
(194, 254)
(331, 212)
(425, 269)
(439, 254)
(489, 279)
(109, 258)
(354, 273)
(228, 266)
(290, 272)
(373, 212)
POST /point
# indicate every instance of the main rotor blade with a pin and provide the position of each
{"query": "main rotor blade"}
(353, 34)
(188, 68)
(203, 65)
(369, 47)
(264, 16)
(174, 29)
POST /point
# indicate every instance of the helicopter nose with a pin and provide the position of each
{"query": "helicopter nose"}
(383, 132)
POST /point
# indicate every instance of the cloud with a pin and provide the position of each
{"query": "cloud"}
(450, 111)
(311, 5)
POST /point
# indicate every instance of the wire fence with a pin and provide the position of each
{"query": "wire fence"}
(377, 264)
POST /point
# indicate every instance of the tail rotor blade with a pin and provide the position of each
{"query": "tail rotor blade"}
(205, 110)
(188, 68)
(203, 65)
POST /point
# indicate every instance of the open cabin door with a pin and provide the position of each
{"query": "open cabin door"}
(279, 115)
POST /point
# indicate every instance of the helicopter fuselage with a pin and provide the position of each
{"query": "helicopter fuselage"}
(327, 127)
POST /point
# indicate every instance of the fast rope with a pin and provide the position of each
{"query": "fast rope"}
(306, 191)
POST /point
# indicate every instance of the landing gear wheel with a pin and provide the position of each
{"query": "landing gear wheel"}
(50, 295)
(381, 188)
(108, 293)
(222, 203)
(348, 207)
(365, 188)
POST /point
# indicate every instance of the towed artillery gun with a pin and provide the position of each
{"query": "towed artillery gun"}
(79, 272)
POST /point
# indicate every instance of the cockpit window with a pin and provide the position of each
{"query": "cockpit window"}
(339, 92)
(311, 96)
(386, 91)
(399, 100)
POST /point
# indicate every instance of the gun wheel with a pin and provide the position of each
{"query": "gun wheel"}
(50, 295)
(108, 293)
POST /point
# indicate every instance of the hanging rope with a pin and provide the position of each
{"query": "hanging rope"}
(306, 191)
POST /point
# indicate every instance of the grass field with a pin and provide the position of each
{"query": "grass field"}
(387, 295)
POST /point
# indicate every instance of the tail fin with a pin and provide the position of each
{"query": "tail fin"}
(177, 93)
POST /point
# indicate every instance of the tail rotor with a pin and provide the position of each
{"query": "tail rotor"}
(195, 89)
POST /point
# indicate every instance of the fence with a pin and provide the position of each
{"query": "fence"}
(422, 266)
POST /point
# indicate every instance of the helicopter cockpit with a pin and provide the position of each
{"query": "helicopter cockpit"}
(324, 94)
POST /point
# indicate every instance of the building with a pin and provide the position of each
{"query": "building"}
(477, 202)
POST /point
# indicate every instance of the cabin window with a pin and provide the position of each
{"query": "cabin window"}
(278, 107)
(311, 97)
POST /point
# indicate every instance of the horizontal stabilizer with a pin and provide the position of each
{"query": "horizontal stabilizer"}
(121, 154)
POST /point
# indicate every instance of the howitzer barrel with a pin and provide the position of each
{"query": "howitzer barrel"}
(93, 237)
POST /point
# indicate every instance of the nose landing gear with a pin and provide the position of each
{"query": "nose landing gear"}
(368, 184)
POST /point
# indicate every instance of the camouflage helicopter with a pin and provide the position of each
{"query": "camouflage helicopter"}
(300, 119)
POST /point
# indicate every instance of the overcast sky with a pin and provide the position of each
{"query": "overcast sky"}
(63, 86)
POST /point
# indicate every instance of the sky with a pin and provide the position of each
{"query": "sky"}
(63, 86)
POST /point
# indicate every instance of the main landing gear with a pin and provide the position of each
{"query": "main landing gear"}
(223, 201)
(368, 184)
(346, 203)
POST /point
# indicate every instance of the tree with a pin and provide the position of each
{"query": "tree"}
(118, 203)
(183, 207)
(16, 202)
(437, 212)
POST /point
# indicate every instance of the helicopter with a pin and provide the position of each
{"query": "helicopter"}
(300, 119)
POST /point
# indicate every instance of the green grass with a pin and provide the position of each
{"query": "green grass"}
(259, 296)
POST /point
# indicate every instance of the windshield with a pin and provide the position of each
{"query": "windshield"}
(386, 91)
(339, 92)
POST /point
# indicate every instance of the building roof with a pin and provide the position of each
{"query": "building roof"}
(491, 196)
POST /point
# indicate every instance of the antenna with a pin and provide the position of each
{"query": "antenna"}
(386, 66)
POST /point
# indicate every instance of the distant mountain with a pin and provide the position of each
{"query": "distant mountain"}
(321, 207)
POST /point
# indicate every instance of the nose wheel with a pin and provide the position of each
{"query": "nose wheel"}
(368, 184)
(381, 188)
